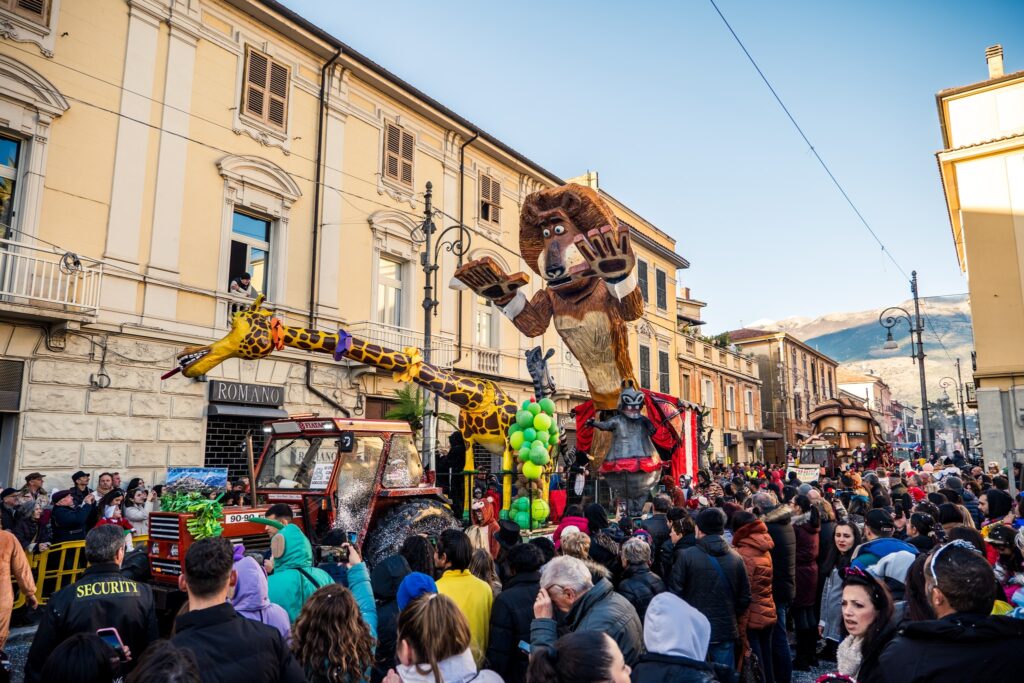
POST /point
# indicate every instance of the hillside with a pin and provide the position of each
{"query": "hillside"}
(855, 340)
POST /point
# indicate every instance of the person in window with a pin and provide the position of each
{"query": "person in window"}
(242, 286)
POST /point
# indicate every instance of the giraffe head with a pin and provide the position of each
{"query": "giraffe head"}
(250, 337)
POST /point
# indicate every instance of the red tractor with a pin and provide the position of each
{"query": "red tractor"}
(362, 476)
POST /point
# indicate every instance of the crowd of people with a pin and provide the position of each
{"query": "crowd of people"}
(744, 573)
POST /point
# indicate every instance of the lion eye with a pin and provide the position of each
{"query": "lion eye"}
(547, 233)
(559, 229)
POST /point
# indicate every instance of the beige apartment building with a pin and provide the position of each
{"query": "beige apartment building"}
(796, 378)
(982, 171)
(154, 150)
(726, 383)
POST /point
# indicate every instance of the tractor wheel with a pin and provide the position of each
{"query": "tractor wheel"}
(420, 516)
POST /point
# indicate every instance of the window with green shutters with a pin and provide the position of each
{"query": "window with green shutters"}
(645, 367)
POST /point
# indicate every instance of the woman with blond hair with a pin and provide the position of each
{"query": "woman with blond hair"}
(482, 567)
(423, 656)
(335, 635)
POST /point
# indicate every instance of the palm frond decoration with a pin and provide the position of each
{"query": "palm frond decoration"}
(409, 407)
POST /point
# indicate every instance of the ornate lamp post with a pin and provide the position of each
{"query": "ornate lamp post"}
(888, 319)
(456, 243)
(946, 383)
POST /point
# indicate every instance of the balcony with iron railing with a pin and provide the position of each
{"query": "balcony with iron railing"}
(44, 284)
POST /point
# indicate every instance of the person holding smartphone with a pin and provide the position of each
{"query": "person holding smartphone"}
(101, 599)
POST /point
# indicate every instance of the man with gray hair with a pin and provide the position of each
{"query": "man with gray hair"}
(639, 584)
(566, 586)
(101, 598)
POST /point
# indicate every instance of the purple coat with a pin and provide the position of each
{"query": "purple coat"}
(806, 561)
(250, 598)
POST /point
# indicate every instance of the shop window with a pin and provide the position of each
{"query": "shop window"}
(490, 200)
(250, 249)
(389, 291)
(645, 367)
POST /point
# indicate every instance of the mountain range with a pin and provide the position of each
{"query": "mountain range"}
(855, 341)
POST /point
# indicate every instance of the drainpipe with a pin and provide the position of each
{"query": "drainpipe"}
(321, 395)
(462, 211)
(316, 186)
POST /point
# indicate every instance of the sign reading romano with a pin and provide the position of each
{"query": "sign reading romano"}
(251, 394)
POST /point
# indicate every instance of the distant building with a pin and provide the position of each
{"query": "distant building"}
(727, 383)
(795, 378)
(982, 170)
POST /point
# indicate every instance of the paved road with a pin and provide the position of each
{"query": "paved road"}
(17, 649)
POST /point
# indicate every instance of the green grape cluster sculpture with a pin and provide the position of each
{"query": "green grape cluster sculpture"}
(206, 513)
(532, 437)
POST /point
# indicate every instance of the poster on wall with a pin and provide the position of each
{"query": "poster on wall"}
(195, 478)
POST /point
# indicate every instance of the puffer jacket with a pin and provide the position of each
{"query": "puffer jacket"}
(754, 545)
(806, 561)
(599, 609)
(639, 585)
(670, 551)
(385, 579)
(696, 580)
(510, 624)
(971, 503)
(780, 528)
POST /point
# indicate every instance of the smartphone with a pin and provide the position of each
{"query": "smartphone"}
(353, 537)
(111, 637)
(524, 646)
(661, 488)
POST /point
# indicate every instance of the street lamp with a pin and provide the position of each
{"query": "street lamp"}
(946, 383)
(458, 244)
(888, 319)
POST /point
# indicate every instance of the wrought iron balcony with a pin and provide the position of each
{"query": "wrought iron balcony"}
(44, 284)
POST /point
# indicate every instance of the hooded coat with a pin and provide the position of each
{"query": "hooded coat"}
(295, 578)
(599, 609)
(754, 544)
(385, 580)
(948, 650)
(780, 528)
(696, 579)
(251, 599)
(676, 636)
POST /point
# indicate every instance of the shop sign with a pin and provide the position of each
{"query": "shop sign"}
(249, 394)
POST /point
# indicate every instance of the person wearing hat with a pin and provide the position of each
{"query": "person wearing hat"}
(33, 489)
(80, 488)
(512, 612)
(242, 286)
(1009, 568)
(9, 508)
(68, 520)
(887, 558)
(508, 536)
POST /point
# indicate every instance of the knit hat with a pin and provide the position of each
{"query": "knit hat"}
(413, 586)
(803, 489)
(711, 521)
(954, 483)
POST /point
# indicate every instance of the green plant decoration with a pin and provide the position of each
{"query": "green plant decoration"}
(409, 405)
(206, 513)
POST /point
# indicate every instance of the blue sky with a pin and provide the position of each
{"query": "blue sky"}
(658, 98)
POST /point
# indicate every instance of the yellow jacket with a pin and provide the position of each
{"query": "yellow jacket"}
(474, 597)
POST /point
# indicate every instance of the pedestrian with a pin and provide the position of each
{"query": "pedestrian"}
(752, 541)
(10, 501)
(101, 598)
(418, 551)
(111, 514)
(33, 489)
(512, 613)
(162, 662)
(14, 567)
(1009, 568)
(80, 488)
(658, 527)
(481, 565)
(604, 538)
(573, 517)
(712, 578)
(104, 484)
(292, 577)
(963, 640)
(333, 638)
(137, 506)
(868, 618)
(566, 585)
(838, 556)
(806, 526)
(30, 531)
(921, 531)
(580, 657)
(881, 554)
(413, 586)
(970, 501)
(67, 520)
(83, 658)
(676, 637)
(639, 584)
(227, 646)
(473, 596)
(385, 580)
(577, 544)
(250, 597)
(682, 535)
(779, 521)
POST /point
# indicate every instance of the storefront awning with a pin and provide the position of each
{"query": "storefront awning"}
(231, 410)
(764, 436)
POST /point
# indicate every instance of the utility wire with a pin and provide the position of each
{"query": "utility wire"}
(814, 151)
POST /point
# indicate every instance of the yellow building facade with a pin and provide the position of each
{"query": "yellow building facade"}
(982, 171)
(156, 150)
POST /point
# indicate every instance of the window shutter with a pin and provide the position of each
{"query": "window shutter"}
(485, 197)
(645, 367)
(255, 84)
(37, 10)
(663, 379)
(392, 151)
(641, 276)
(662, 293)
(277, 104)
(407, 157)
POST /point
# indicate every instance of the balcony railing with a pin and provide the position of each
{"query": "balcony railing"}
(487, 361)
(31, 276)
(442, 347)
(569, 377)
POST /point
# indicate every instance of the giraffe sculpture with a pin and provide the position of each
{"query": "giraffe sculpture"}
(485, 411)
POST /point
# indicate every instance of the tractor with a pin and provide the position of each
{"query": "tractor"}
(362, 476)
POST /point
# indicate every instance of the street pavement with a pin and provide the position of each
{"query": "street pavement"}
(16, 648)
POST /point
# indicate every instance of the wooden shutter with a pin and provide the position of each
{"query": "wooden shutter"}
(36, 10)
(392, 151)
(408, 148)
(277, 101)
(490, 199)
(645, 367)
(641, 277)
(661, 285)
(663, 379)
(265, 93)
(495, 201)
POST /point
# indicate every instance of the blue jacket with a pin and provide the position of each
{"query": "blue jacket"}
(69, 523)
(873, 551)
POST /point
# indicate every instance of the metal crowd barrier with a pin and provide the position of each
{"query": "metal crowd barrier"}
(58, 566)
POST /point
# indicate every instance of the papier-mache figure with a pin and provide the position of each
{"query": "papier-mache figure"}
(632, 465)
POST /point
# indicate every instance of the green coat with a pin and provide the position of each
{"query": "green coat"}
(287, 586)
